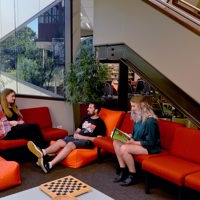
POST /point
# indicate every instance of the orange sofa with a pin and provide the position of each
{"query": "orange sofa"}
(41, 116)
(178, 161)
(167, 130)
(181, 166)
(81, 157)
(111, 119)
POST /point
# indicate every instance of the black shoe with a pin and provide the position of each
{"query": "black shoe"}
(117, 178)
(131, 180)
(120, 177)
(35, 149)
(44, 165)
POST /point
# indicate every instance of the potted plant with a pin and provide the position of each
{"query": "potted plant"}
(85, 78)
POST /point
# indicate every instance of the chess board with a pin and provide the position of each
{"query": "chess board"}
(66, 186)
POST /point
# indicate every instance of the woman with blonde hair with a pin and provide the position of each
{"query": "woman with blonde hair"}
(12, 125)
(145, 140)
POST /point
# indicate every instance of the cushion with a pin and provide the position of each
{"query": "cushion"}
(111, 119)
(106, 143)
(167, 131)
(53, 133)
(37, 116)
(186, 144)
(192, 181)
(9, 174)
(9, 144)
(127, 124)
(2, 159)
(79, 157)
(141, 157)
(170, 168)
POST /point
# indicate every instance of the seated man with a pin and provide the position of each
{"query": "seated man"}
(91, 126)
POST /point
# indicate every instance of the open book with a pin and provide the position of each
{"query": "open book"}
(120, 135)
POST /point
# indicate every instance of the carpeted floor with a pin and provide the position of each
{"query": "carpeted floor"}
(99, 176)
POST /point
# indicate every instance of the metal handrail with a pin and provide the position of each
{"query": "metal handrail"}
(190, 5)
(178, 11)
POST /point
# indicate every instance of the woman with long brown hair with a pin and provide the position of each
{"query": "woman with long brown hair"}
(12, 125)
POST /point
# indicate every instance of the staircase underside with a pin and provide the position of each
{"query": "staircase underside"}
(169, 90)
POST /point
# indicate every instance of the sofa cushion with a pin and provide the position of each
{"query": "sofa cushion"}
(170, 168)
(127, 124)
(39, 115)
(192, 181)
(185, 144)
(111, 119)
(141, 157)
(9, 174)
(105, 143)
(167, 131)
(9, 144)
(53, 133)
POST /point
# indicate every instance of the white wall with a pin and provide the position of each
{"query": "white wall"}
(60, 111)
(168, 46)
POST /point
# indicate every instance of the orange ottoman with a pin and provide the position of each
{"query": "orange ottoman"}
(9, 174)
(79, 157)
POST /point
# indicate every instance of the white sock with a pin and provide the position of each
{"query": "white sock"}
(50, 165)
(44, 152)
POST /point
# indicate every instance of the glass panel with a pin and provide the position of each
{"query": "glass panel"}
(32, 57)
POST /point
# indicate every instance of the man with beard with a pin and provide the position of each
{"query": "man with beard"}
(145, 140)
(91, 127)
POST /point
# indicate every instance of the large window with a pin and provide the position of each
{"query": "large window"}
(32, 59)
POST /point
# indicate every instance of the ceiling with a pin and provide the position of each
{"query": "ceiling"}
(87, 16)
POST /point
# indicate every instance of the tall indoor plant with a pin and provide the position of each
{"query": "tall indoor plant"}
(85, 78)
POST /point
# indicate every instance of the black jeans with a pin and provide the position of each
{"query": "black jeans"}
(30, 132)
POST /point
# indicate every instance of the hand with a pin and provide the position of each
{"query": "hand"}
(77, 136)
(131, 141)
(13, 123)
(21, 122)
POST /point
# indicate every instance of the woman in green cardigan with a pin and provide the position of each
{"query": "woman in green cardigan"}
(145, 140)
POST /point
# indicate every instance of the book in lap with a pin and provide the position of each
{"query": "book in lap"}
(117, 134)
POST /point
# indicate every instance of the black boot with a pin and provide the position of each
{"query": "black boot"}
(122, 175)
(130, 180)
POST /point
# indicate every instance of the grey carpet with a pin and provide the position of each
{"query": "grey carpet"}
(99, 176)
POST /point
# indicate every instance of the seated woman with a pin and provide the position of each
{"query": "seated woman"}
(145, 140)
(12, 125)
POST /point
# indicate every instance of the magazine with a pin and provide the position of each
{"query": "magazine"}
(120, 135)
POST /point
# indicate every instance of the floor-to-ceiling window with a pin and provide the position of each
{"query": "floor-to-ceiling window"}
(32, 51)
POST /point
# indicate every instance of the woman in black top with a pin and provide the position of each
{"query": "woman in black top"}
(12, 125)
